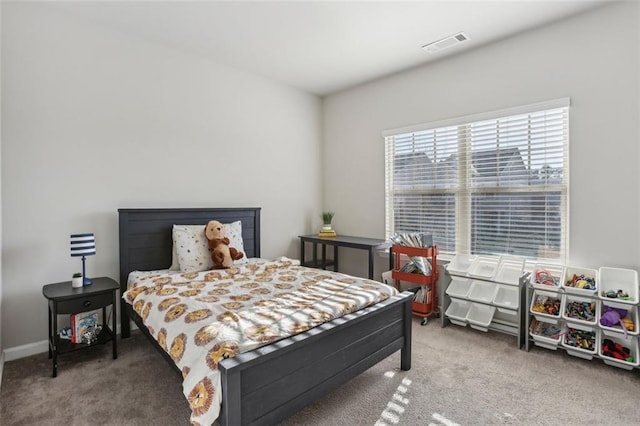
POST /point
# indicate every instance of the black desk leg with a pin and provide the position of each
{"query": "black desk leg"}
(391, 258)
(301, 252)
(315, 255)
(371, 263)
(324, 256)
(335, 258)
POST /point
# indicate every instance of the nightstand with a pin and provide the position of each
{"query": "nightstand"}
(64, 299)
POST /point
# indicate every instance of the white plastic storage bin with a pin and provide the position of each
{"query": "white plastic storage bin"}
(484, 267)
(507, 296)
(581, 341)
(480, 316)
(509, 270)
(459, 287)
(632, 315)
(580, 310)
(546, 334)
(506, 317)
(547, 306)
(590, 274)
(457, 311)
(608, 338)
(460, 264)
(482, 291)
(614, 280)
(547, 276)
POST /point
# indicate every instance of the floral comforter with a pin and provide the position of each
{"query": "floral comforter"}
(201, 318)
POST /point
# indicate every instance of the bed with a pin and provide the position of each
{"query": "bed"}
(270, 383)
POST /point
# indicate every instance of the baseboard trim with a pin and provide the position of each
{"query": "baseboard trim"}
(1, 366)
(23, 351)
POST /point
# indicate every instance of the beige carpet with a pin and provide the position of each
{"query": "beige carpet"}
(459, 376)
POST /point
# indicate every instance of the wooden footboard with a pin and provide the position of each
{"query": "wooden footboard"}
(271, 383)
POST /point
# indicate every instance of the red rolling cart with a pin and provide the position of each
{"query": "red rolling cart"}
(430, 306)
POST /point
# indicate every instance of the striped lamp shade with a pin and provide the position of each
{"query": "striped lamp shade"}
(83, 245)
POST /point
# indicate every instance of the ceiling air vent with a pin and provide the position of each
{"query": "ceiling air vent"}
(446, 42)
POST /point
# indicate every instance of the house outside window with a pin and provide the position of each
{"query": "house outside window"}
(494, 183)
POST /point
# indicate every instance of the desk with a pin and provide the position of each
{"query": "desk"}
(362, 243)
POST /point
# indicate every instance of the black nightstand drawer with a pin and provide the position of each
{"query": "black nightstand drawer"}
(86, 303)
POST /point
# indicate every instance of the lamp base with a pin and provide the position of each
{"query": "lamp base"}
(87, 281)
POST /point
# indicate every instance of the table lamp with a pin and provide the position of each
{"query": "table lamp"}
(83, 245)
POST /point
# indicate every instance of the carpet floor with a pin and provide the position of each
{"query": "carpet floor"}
(458, 376)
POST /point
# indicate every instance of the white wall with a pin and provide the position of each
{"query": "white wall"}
(95, 120)
(592, 58)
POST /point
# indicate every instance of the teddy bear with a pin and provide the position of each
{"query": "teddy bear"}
(221, 254)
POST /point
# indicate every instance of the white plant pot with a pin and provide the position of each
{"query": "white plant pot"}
(77, 282)
(326, 227)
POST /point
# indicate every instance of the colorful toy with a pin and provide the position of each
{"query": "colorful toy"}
(221, 254)
(616, 350)
(628, 324)
(616, 316)
(582, 281)
(580, 339)
(546, 278)
(545, 329)
(620, 294)
(585, 311)
(547, 305)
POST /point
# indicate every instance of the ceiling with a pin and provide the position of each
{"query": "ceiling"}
(322, 47)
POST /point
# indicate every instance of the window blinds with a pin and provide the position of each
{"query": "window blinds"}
(495, 183)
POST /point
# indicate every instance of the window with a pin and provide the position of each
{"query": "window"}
(494, 183)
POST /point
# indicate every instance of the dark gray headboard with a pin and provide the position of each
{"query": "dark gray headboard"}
(146, 242)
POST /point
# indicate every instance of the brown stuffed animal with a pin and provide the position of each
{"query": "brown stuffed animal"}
(221, 254)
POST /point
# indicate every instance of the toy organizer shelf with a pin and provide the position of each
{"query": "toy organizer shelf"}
(486, 293)
(427, 282)
(584, 336)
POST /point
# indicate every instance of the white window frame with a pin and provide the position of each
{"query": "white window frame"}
(463, 214)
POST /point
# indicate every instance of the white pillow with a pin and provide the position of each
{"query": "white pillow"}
(233, 231)
(191, 248)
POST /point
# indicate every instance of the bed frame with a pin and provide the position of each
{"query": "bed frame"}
(273, 382)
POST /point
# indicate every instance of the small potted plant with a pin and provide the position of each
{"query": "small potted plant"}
(327, 217)
(76, 280)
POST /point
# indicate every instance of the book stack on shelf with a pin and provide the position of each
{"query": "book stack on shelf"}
(423, 295)
(83, 324)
